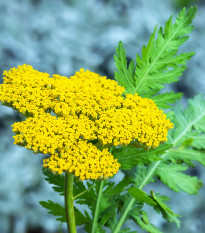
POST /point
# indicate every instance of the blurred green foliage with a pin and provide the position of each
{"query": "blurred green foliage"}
(185, 3)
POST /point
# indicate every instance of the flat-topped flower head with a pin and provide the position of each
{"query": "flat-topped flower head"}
(75, 120)
(85, 93)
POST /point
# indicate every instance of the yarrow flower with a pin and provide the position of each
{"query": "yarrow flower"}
(75, 120)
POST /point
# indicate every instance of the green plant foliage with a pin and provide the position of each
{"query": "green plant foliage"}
(159, 63)
(140, 175)
(112, 189)
(164, 209)
(127, 230)
(141, 218)
(187, 156)
(56, 180)
(82, 219)
(141, 196)
(124, 74)
(163, 100)
(108, 198)
(190, 122)
(131, 156)
(55, 209)
(173, 176)
(87, 194)
(198, 140)
(59, 211)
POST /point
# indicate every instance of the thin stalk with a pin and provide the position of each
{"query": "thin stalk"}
(69, 207)
(95, 219)
(80, 194)
(132, 201)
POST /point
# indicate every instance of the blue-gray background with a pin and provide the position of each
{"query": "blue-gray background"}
(57, 36)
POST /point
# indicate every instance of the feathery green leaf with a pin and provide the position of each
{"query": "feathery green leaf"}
(125, 74)
(141, 196)
(172, 176)
(56, 180)
(140, 175)
(130, 156)
(188, 155)
(164, 100)
(119, 188)
(189, 122)
(55, 209)
(198, 140)
(141, 218)
(81, 219)
(164, 209)
(159, 63)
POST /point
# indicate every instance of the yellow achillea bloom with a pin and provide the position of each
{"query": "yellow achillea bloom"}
(76, 119)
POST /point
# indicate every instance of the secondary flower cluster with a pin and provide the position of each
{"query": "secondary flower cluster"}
(74, 119)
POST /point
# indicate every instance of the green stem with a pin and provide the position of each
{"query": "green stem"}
(132, 201)
(78, 195)
(95, 219)
(69, 207)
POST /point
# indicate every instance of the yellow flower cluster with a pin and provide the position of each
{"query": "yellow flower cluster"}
(25, 90)
(90, 162)
(68, 118)
(85, 93)
(47, 134)
(61, 138)
(138, 118)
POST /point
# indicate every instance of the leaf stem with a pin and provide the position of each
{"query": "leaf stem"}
(69, 207)
(95, 219)
(83, 192)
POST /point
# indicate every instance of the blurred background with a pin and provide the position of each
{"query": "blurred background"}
(62, 36)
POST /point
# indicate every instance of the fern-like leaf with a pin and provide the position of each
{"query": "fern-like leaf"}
(164, 209)
(173, 176)
(81, 219)
(130, 156)
(55, 209)
(164, 100)
(187, 155)
(159, 63)
(125, 74)
(189, 123)
(119, 188)
(198, 140)
(141, 196)
(141, 218)
(56, 180)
